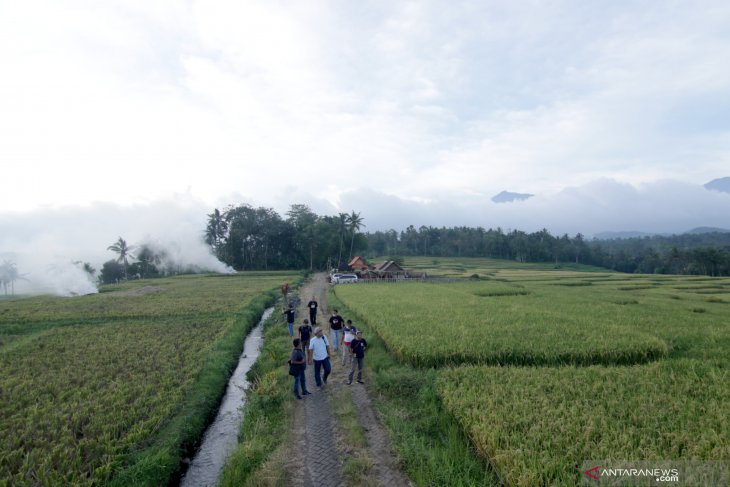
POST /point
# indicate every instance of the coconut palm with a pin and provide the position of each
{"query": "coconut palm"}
(216, 229)
(8, 276)
(124, 251)
(341, 229)
(354, 222)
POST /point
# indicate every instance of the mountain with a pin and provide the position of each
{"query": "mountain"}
(698, 230)
(720, 184)
(509, 197)
(620, 235)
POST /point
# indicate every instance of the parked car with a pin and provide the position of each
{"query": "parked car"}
(344, 278)
(333, 277)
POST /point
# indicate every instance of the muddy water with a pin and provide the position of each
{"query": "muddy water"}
(221, 437)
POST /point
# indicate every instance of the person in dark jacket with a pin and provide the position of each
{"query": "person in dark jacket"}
(299, 358)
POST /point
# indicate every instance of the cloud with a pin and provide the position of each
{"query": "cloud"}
(663, 206)
(124, 103)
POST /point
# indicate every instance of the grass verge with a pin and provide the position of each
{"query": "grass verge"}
(268, 415)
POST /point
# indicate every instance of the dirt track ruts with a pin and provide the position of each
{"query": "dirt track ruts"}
(317, 448)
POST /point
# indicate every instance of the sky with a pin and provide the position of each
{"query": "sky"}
(614, 114)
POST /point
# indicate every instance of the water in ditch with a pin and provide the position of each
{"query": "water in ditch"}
(221, 437)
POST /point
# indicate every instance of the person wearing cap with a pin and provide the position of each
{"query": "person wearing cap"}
(357, 349)
(320, 349)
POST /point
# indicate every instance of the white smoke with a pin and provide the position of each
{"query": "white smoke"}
(49, 247)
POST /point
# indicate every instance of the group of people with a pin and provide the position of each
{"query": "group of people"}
(312, 347)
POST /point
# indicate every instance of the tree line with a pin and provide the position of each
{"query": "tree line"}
(706, 254)
(248, 238)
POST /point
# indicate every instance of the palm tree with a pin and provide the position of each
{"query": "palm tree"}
(8, 275)
(354, 222)
(124, 251)
(216, 229)
(341, 228)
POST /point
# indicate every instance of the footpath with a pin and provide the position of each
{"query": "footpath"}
(318, 448)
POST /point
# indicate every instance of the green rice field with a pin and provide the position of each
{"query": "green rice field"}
(547, 368)
(114, 387)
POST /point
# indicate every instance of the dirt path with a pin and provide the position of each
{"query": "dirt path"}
(317, 446)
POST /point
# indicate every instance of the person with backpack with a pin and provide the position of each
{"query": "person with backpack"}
(298, 364)
(305, 334)
(357, 347)
(320, 348)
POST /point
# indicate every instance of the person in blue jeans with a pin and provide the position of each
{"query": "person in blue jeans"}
(289, 312)
(320, 348)
(357, 348)
(299, 358)
(336, 323)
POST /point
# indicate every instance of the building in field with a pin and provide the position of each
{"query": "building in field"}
(390, 270)
(358, 264)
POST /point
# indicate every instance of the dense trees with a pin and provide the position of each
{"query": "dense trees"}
(707, 254)
(258, 238)
(248, 238)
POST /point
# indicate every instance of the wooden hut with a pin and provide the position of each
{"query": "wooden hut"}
(358, 264)
(390, 270)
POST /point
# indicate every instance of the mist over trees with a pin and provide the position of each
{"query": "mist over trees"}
(248, 238)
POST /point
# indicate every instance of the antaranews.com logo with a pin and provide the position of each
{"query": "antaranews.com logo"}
(658, 473)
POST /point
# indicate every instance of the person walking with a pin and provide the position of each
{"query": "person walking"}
(348, 336)
(336, 323)
(320, 348)
(357, 347)
(312, 305)
(289, 312)
(305, 334)
(299, 360)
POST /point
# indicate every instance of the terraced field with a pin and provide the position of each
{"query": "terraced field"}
(547, 368)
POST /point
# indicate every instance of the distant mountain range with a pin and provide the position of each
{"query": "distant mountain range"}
(720, 184)
(626, 235)
(508, 197)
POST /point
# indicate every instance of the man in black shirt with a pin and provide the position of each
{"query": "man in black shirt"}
(336, 327)
(305, 334)
(312, 305)
(357, 348)
(289, 312)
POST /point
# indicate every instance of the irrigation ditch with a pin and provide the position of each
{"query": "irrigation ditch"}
(221, 437)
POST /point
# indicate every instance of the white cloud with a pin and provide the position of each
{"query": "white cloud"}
(127, 102)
